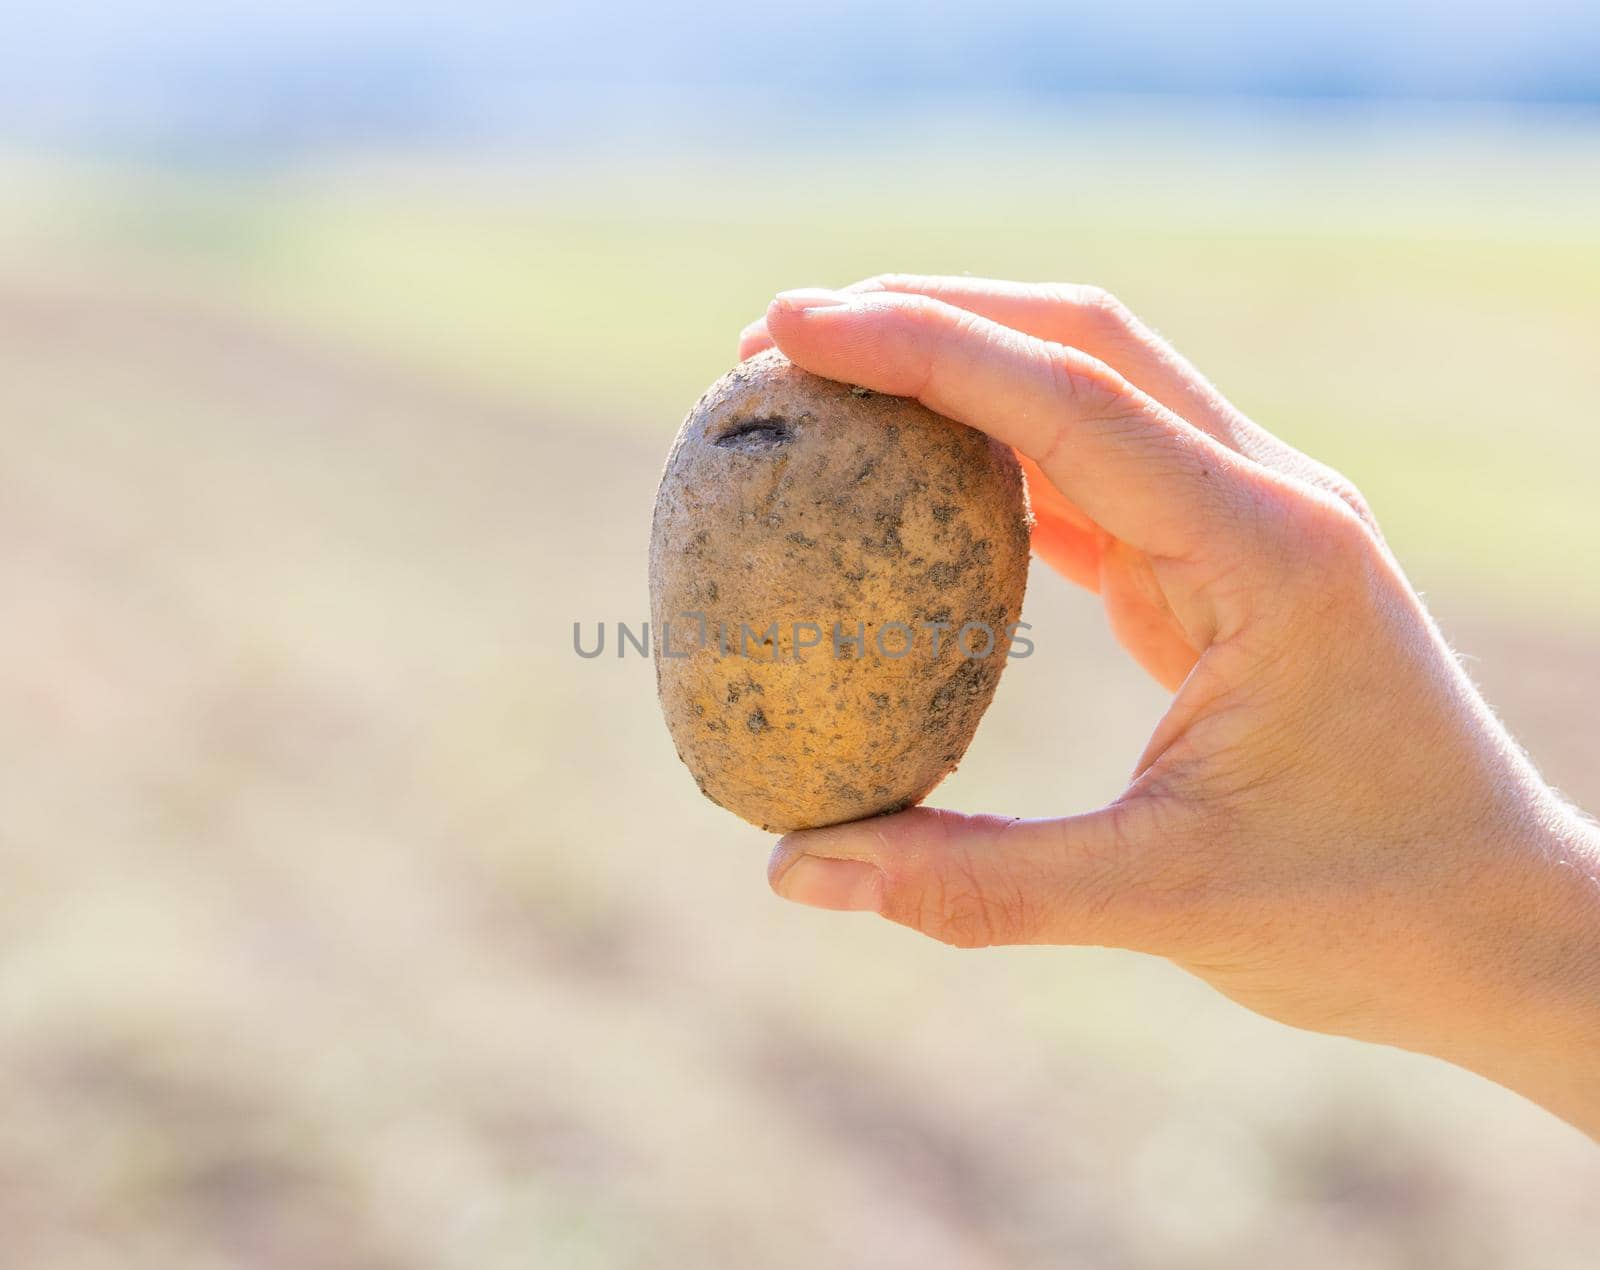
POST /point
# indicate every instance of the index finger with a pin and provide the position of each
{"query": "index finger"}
(1145, 475)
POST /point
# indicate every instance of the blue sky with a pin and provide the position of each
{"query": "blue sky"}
(295, 73)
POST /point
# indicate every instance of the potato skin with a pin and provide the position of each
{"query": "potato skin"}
(792, 499)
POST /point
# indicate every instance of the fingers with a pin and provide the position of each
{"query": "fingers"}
(974, 881)
(1127, 462)
(1079, 316)
(1091, 319)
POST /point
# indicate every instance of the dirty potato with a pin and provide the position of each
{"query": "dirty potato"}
(835, 579)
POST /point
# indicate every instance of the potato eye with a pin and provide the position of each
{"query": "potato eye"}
(756, 435)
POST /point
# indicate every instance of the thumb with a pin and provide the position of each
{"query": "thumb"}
(973, 881)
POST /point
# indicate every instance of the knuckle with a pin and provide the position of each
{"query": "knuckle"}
(968, 907)
(968, 916)
(1306, 471)
(1326, 547)
(1333, 482)
(1089, 384)
(1332, 522)
(921, 312)
(1344, 489)
(963, 922)
(1100, 306)
(964, 325)
(925, 331)
(1100, 312)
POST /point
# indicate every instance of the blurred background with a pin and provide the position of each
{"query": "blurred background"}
(348, 919)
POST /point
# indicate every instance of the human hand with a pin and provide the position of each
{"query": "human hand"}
(1328, 825)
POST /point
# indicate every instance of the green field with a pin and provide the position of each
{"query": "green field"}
(1424, 324)
(350, 920)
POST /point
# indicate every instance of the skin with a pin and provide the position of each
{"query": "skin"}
(1329, 825)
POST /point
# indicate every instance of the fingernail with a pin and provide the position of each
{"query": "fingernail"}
(847, 885)
(802, 298)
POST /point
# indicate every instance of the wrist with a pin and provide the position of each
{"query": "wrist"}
(1532, 970)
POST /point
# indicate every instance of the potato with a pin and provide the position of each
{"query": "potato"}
(812, 544)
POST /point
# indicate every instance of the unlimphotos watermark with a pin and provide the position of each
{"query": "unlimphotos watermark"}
(779, 641)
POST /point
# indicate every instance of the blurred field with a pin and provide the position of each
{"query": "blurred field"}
(350, 920)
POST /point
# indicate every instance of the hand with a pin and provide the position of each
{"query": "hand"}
(1328, 825)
